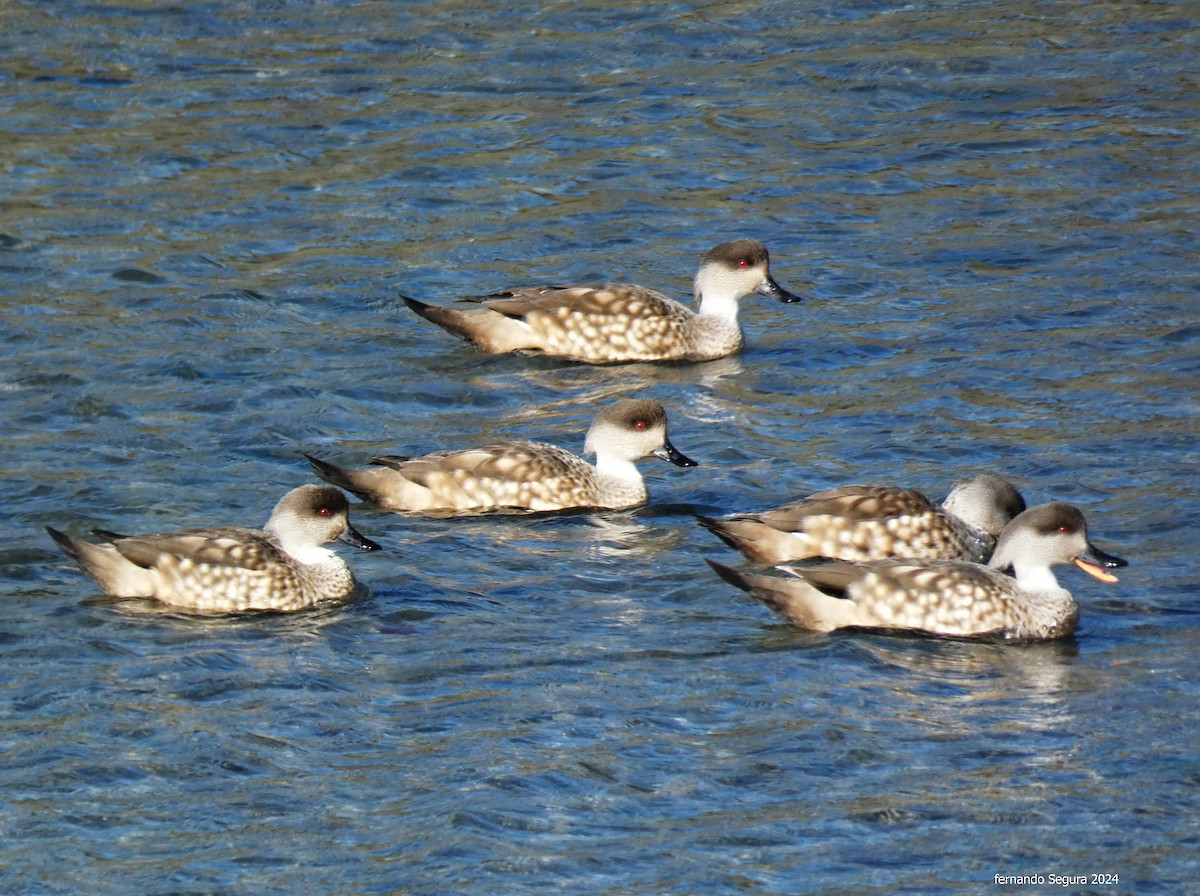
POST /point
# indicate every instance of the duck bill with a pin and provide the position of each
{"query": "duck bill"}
(671, 453)
(773, 290)
(354, 538)
(1096, 562)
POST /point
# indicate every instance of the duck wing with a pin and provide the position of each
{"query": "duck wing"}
(849, 503)
(219, 546)
(597, 299)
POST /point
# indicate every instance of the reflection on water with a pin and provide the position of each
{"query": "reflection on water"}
(209, 213)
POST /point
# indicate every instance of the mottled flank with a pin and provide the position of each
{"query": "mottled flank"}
(521, 475)
(952, 598)
(232, 570)
(874, 522)
(616, 322)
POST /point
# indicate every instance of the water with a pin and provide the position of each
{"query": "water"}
(209, 210)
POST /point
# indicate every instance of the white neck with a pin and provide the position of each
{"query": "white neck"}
(716, 298)
(303, 551)
(1035, 578)
(617, 468)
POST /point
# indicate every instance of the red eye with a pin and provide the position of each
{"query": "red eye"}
(1064, 529)
(639, 425)
(324, 511)
(743, 263)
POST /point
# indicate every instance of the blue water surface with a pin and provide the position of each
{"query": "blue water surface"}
(209, 210)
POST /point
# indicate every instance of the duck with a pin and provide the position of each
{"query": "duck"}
(946, 598)
(874, 522)
(521, 475)
(619, 322)
(226, 569)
